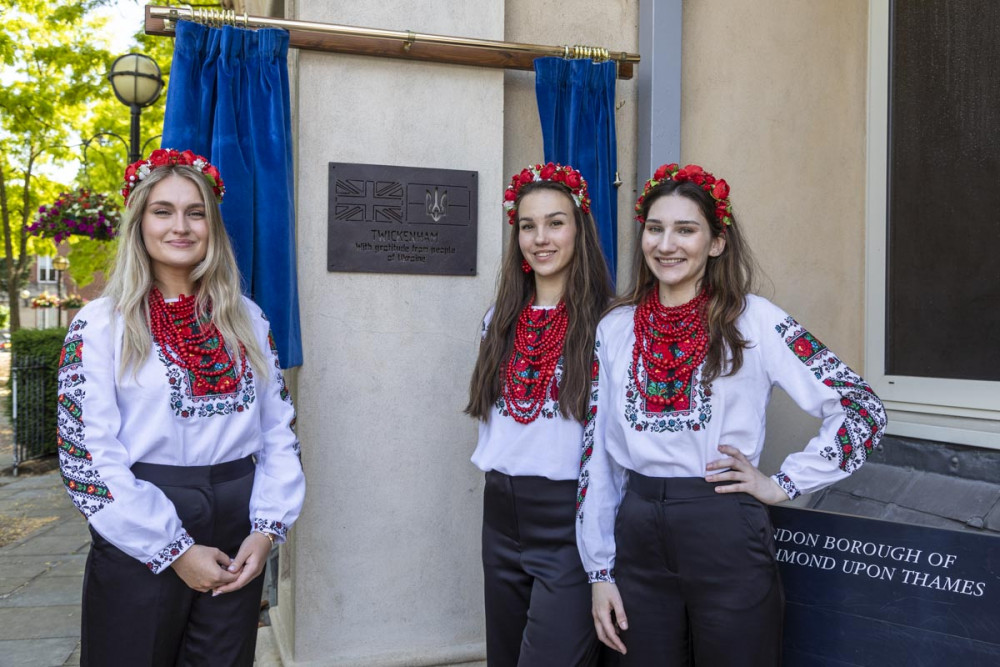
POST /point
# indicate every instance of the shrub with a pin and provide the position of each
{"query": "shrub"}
(36, 352)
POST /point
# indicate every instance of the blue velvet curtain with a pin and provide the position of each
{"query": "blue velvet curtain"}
(228, 100)
(576, 105)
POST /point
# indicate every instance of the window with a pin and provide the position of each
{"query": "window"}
(933, 210)
(46, 274)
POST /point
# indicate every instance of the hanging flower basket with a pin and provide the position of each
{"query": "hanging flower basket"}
(73, 301)
(45, 300)
(77, 213)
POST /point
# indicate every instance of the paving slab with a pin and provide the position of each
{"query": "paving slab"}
(44, 591)
(41, 545)
(906, 515)
(876, 481)
(24, 567)
(40, 622)
(51, 652)
(9, 585)
(993, 519)
(846, 503)
(76, 527)
(954, 498)
(46, 481)
(13, 509)
(74, 658)
(69, 566)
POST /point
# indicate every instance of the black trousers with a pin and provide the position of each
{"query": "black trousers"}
(537, 595)
(697, 574)
(134, 618)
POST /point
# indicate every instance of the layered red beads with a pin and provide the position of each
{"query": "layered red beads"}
(538, 345)
(194, 345)
(671, 342)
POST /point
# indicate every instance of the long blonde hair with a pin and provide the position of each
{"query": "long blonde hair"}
(216, 277)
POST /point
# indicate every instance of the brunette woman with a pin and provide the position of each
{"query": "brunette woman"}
(531, 392)
(175, 433)
(673, 532)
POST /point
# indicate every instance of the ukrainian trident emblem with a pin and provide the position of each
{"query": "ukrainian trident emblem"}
(437, 204)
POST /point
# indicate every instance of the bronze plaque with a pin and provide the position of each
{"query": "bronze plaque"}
(386, 219)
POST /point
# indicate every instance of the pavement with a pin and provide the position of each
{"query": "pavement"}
(41, 576)
(43, 549)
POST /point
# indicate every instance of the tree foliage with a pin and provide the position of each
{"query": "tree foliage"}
(54, 97)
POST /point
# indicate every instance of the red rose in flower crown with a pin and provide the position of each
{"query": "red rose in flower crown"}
(161, 157)
(556, 173)
(718, 189)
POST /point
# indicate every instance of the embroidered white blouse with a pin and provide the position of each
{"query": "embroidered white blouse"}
(108, 423)
(548, 447)
(624, 436)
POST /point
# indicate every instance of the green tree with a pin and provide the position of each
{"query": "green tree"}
(51, 64)
(53, 96)
(103, 157)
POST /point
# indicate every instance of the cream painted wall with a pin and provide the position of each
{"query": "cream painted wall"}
(773, 100)
(612, 24)
(386, 553)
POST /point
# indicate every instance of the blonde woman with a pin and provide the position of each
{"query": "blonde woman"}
(175, 433)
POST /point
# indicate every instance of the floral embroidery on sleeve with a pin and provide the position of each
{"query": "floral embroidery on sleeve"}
(588, 436)
(601, 575)
(277, 528)
(168, 554)
(80, 477)
(786, 484)
(865, 419)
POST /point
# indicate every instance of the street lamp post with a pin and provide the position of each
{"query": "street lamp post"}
(60, 264)
(137, 83)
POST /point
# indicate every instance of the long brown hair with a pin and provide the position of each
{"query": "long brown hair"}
(728, 277)
(588, 291)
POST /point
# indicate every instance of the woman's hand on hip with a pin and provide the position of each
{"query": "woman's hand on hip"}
(605, 600)
(748, 479)
(203, 568)
(249, 562)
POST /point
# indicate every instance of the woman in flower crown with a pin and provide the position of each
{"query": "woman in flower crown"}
(673, 530)
(175, 433)
(531, 390)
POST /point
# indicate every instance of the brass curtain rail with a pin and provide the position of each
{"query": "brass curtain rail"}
(405, 44)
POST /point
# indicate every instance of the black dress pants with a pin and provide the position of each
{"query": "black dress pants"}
(134, 618)
(537, 595)
(697, 574)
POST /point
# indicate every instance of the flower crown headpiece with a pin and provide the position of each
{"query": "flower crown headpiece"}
(161, 157)
(717, 188)
(558, 173)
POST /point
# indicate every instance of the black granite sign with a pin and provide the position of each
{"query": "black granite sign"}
(877, 593)
(387, 219)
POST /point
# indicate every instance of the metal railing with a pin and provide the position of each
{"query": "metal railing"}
(32, 410)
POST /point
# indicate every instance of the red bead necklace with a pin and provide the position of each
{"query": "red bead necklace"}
(538, 344)
(194, 345)
(671, 342)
